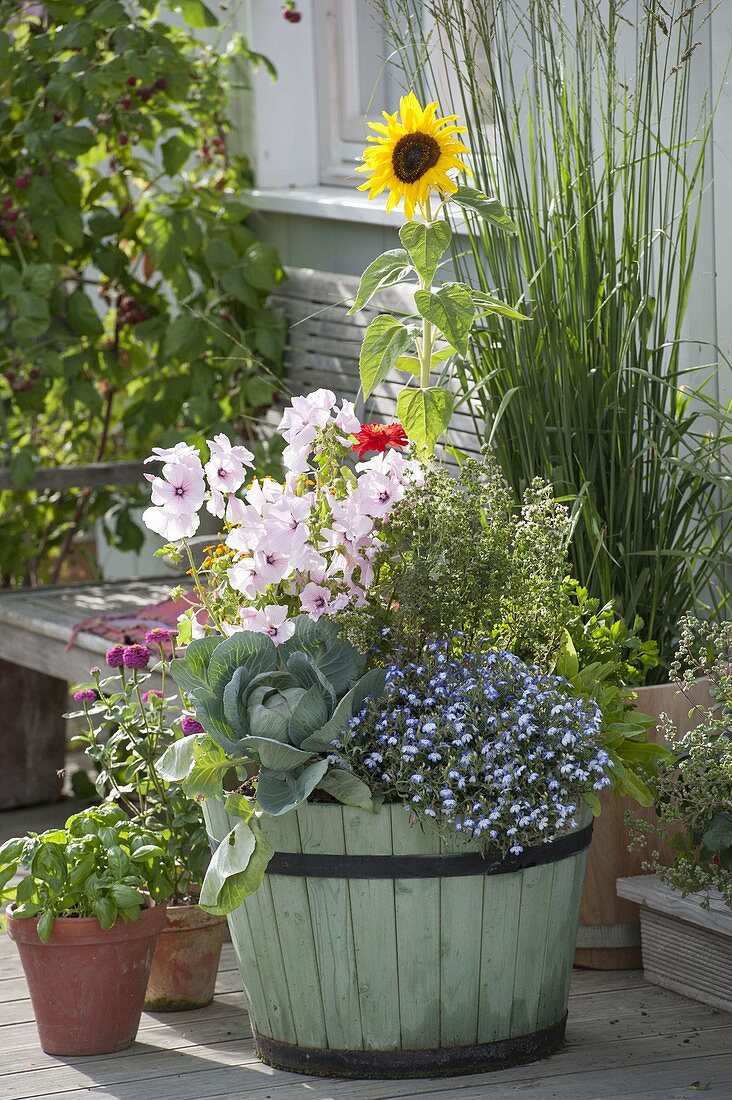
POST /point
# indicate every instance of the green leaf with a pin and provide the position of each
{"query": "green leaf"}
(255, 652)
(425, 414)
(236, 869)
(309, 714)
(176, 762)
(410, 364)
(186, 337)
(385, 340)
(195, 13)
(45, 925)
(191, 672)
(718, 837)
(347, 788)
(176, 152)
(487, 303)
(82, 315)
(387, 269)
(277, 756)
(238, 805)
(105, 911)
(489, 209)
(210, 765)
(41, 278)
(451, 311)
(280, 792)
(426, 244)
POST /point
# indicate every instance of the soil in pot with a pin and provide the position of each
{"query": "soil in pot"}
(87, 984)
(186, 960)
(609, 934)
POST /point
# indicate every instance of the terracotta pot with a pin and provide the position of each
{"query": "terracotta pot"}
(609, 932)
(87, 984)
(186, 960)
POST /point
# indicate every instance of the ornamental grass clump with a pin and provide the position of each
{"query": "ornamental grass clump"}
(483, 744)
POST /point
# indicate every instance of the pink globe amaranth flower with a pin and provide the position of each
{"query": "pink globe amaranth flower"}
(159, 635)
(136, 656)
(190, 726)
(86, 695)
(115, 657)
(151, 694)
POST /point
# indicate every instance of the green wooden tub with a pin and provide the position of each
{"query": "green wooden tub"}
(373, 950)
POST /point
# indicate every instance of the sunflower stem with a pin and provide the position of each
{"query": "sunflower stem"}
(428, 336)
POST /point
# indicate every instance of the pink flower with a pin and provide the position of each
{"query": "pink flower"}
(235, 510)
(115, 656)
(216, 504)
(159, 635)
(301, 421)
(152, 694)
(171, 528)
(295, 456)
(181, 452)
(244, 577)
(190, 726)
(180, 490)
(317, 600)
(221, 446)
(272, 565)
(271, 621)
(86, 695)
(136, 656)
(225, 472)
(346, 418)
(376, 494)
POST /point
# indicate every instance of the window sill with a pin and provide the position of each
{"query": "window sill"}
(339, 204)
(333, 203)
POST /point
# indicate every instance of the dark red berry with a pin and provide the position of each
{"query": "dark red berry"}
(123, 139)
(293, 16)
(131, 81)
(125, 103)
(58, 116)
(145, 94)
(161, 83)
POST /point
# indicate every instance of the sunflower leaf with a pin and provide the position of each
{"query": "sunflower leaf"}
(490, 210)
(385, 340)
(387, 269)
(426, 244)
(451, 310)
(425, 414)
(486, 304)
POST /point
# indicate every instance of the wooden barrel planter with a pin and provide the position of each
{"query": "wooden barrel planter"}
(609, 936)
(374, 950)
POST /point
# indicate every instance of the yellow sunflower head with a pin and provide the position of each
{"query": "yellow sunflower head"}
(411, 154)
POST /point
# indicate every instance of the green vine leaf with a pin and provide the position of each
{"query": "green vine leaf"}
(425, 414)
(386, 270)
(490, 210)
(426, 245)
(451, 310)
(385, 340)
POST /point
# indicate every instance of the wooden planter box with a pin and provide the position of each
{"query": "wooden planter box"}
(373, 950)
(685, 948)
(609, 935)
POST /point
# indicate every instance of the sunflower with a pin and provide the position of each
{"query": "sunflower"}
(412, 155)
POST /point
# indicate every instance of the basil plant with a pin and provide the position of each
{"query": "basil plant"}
(271, 716)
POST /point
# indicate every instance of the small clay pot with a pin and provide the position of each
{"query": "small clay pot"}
(87, 984)
(186, 960)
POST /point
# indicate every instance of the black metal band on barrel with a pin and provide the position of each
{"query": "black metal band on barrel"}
(440, 1062)
(314, 865)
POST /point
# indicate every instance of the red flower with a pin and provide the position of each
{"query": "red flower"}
(377, 437)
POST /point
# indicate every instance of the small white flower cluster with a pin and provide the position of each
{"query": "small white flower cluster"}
(304, 545)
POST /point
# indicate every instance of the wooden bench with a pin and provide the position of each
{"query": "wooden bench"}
(36, 624)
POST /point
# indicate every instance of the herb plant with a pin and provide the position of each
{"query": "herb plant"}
(693, 791)
(132, 289)
(126, 729)
(482, 744)
(101, 864)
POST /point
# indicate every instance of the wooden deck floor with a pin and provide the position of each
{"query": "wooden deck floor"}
(625, 1039)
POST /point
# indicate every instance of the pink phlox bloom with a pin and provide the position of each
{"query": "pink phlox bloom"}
(216, 504)
(376, 494)
(271, 620)
(244, 577)
(235, 510)
(346, 419)
(305, 415)
(272, 565)
(181, 452)
(225, 473)
(180, 489)
(169, 526)
(221, 446)
(315, 600)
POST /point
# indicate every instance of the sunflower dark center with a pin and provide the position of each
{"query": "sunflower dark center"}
(414, 154)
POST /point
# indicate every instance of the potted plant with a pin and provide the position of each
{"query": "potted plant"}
(395, 679)
(127, 726)
(599, 393)
(686, 908)
(86, 916)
